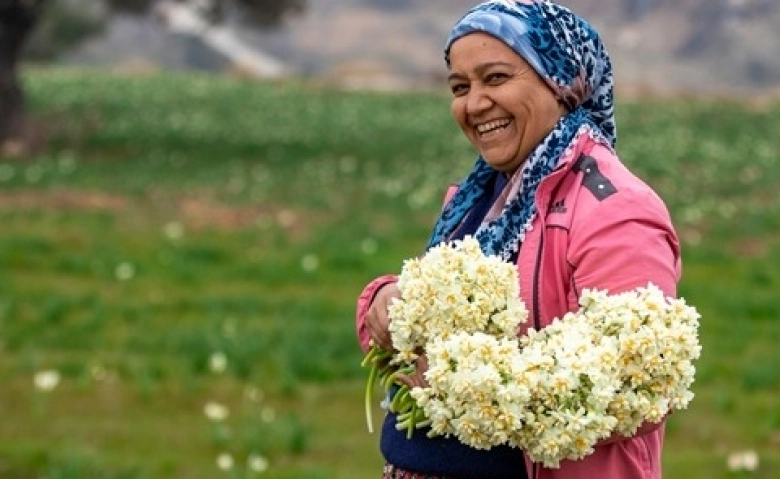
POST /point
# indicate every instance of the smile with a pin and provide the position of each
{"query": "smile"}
(492, 126)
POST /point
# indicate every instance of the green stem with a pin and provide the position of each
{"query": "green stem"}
(369, 357)
(369, 398)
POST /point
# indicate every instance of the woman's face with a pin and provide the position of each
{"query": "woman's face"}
(499, 101)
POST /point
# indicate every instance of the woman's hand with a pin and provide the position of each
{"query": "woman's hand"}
(377, 318)
(417, 378)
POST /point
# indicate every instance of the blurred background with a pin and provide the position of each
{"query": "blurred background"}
(194, 192)
(660, 45)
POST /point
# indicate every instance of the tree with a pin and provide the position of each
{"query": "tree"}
(18, 19)
(64, 24)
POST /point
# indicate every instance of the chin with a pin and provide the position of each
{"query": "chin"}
(503, 161)
(503, 166)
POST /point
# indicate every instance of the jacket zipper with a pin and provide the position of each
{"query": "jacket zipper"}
(538, 265)
(537, 321)
(537, 268)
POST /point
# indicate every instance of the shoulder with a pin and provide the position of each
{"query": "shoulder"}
(602, 164)
(603, 185)
(621, 234)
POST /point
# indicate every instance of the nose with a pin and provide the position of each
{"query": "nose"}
(478, 101)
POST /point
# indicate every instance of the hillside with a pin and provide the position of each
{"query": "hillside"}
(662, 46)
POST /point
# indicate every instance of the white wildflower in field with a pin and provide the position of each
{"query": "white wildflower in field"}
(173, 230)
(310, 263)
(46, 380)
(257, 463)
(218, 362)
(268, 414)
(225, 461)
(124, 271)
(215, 411)
(743, 461)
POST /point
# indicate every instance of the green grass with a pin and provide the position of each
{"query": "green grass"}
(170, 218)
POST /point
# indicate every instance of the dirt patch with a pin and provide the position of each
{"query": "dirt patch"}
(752, 247)
(195, 214)
(199, 214)
(61, 199)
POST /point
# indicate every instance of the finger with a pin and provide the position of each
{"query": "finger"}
(404, 379)
(378, 329)
(378, 336)
(413, 381)
(422, 363)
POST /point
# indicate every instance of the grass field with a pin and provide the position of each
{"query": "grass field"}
(179, 264)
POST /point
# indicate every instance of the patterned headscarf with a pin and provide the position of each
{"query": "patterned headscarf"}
(568, 54)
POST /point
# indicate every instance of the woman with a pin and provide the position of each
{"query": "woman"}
(532, 90)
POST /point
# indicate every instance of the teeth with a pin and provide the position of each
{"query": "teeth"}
(492, 125)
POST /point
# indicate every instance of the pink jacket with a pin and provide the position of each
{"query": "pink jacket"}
(599, 227)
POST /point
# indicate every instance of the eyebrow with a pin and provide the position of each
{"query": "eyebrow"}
(480, 69)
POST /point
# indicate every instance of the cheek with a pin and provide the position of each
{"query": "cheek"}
(548, 109)
(458, 111)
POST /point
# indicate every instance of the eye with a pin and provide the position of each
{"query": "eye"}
(495, 78)
(459, 88)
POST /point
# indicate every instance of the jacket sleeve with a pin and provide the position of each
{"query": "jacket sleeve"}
(364, 302)
(626, 242)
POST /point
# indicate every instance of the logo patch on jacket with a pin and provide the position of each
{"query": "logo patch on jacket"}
(593, 179)
(558, 207)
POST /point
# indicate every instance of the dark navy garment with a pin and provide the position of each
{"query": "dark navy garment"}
(474, 218)
(448, 456)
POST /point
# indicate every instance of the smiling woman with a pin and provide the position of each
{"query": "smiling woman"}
(532, 91)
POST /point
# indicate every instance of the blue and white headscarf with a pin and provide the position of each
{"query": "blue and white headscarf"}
(568, 54)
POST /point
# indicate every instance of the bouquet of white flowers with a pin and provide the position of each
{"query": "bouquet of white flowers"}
(618, 361)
